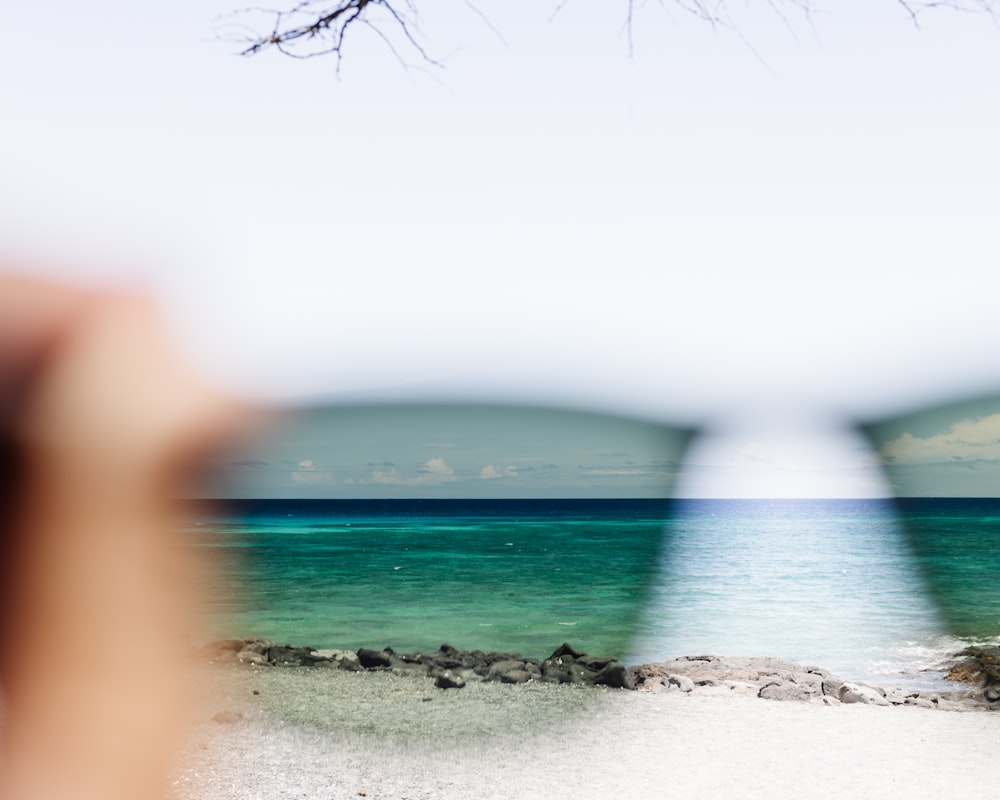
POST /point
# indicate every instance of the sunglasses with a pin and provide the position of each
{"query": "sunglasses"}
(943, 465)
(515, 529)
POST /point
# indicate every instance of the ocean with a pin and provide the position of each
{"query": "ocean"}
(870, 589)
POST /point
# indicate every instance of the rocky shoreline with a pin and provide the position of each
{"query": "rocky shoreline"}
(776, 679)
(765, 678)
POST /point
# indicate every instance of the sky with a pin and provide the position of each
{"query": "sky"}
(476, 451)
(772, 229)
(407, 451)
(943, 452)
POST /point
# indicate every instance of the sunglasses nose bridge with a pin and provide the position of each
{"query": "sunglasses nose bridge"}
(773, 455)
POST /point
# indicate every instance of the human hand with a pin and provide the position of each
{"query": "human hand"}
(100, 423)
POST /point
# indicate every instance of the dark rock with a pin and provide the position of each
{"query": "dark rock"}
(449, 680)
(494, 657)
(498, 669)
(288, 656)
(597, 663)
(565, 669)
(565, 665)
(484, 665)
(557, 673)
(495, 670)
(339, 659)
(447, 657)
(373, 659)
(977, 665)
(565, 650)
(516, 676)
(615, 676)
(445, 662)
(569, 665)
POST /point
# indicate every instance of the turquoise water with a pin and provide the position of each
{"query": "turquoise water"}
(520, 576)
(861, 587)
(956, 547)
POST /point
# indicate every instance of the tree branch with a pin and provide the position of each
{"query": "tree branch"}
(320, 27)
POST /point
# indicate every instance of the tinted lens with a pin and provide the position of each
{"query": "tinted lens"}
(486, 528)
(944, 466)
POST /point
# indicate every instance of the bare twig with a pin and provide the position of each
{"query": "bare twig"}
(914, 8)
(486, 20)
(312, 28)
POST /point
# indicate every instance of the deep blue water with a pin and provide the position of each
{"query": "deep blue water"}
(866, 588)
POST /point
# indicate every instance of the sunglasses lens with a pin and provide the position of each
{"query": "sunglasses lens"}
(944, 467)
(488, 528)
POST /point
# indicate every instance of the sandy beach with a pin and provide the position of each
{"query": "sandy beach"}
(330, 734)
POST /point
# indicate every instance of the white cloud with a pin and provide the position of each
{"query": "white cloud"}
(967, 440)
(309, 473)
(435, 470)
(386, 476)
(490, 472)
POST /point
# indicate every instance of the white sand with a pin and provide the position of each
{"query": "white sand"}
(322, 734)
